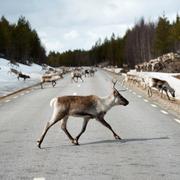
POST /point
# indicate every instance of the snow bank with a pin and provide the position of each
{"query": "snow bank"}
(9, 82)
(115, 70)
(169, 77)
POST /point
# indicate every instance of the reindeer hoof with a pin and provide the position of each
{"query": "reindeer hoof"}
(117, 137)
(75, 142)
(39, 144)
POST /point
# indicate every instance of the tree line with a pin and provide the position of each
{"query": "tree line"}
(20, 43)
(144, 41)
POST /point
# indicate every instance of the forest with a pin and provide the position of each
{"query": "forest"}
(144, 41)
(20, 43)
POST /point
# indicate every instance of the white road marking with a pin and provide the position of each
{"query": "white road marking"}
(15, 97)
(177, 120)
(164, 112)
(22, 94)
(74, 93)
(39, 178)
(145, 100)
(139, 96)
(79, 85)
(7, 100)
(153, 105)
(134, 93)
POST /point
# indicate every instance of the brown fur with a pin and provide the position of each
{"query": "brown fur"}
(84, 104)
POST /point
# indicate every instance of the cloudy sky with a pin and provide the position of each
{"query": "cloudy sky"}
(77, 24)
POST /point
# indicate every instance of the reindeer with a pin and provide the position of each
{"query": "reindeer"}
(86, 72)
(87, 107)
(92, 72)
(16, 72)
(24, 76)
(77, 75)
(49, 78)
(161, 85)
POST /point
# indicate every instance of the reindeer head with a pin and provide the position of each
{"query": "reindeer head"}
(119, 99)
(172, 92)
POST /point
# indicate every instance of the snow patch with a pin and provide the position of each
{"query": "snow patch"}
(9, 82)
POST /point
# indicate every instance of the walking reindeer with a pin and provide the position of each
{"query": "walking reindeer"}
(162, 86)
(87, 107)
(76, 75)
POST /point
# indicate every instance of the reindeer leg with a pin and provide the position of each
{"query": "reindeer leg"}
(53, 83)
(63, 127)
(41, 85)
(149, 92)
(161, 91)
(167, 95)
(85, 122)
(103, 122)
(55, 118)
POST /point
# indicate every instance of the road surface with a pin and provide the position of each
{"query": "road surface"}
(150, 148)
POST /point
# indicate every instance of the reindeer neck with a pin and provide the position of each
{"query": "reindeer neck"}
(108, 102)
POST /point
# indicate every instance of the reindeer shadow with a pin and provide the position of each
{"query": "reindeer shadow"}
(111, 141)
(124, 140)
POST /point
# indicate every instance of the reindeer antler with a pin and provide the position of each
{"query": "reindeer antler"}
(114, 81)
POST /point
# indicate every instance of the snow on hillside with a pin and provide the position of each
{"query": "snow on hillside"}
(9, 82)
(115, 70)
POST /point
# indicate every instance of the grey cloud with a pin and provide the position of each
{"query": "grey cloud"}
(88, 18)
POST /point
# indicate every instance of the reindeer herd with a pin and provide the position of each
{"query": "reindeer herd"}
(51, 75)
(78, 73)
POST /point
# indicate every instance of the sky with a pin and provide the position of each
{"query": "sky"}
(78, 24)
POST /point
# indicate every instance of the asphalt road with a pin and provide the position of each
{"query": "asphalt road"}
(150, 148)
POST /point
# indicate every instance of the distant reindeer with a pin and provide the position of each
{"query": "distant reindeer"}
(24, 76)
(14, 71)
(162, 86)
(92, 72)
(76, 75)
(87, 107)
(52, 78)
(86, 72)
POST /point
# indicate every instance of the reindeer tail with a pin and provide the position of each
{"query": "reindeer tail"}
(52, 101)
